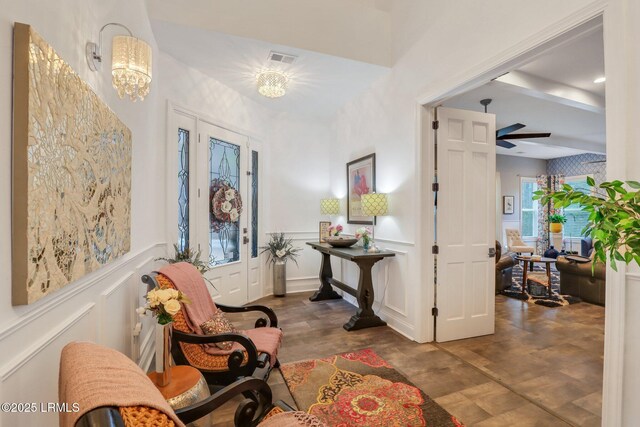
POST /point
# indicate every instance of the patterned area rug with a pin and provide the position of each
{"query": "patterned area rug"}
(556, 299)
(361, 389)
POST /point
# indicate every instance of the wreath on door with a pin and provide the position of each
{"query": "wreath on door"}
(225, 203)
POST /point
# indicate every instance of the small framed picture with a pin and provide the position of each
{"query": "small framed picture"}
(324, 230)
(507, 205)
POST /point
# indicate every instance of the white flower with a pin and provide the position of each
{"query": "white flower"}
(141, 311)
(233, 214)
(174, 293)
(226, 207)
(164, 295)
(172, 306)
(281, 253)
(152, 297)
(230, 194)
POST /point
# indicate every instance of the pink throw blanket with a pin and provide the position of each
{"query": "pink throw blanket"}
(93, 376)
(188, 280)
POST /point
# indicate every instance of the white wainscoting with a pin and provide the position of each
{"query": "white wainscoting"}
(304, 276)
(394, 283)
(395, 279)
(98, 308)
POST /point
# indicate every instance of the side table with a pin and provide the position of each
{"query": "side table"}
(187, 387)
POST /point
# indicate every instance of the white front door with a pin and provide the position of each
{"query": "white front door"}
(465, 224)
(223, 210)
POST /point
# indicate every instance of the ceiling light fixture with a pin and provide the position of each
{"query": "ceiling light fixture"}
(272, 84)
(130, 63)
(600, 80)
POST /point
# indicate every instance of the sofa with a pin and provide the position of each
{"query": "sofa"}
(578, 279)
(504, 269)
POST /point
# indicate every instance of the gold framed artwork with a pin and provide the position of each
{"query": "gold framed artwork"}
(361, 179)
(324, 230)
(71, 186)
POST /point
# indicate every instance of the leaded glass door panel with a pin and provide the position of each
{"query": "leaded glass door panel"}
(223, 210)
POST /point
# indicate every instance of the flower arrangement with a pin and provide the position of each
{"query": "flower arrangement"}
(280, 248)
(225, 202)
(335, 230)
(163, 303)
(364, 233)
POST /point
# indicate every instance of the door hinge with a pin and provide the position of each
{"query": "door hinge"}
(248, 173)
(198, 192)
(435, 249)
(198, 137)
(435, 187)
(435, 124)
(434, 311)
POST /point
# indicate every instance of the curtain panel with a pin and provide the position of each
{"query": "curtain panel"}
(554, 183)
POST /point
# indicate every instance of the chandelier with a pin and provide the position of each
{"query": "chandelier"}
(131, 62)
(272, 84)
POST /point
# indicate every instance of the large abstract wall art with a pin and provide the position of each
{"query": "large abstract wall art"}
(71, 195)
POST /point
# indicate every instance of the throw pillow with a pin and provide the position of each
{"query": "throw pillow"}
(219, 324)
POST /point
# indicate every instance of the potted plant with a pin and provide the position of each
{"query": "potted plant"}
(279, 250)
(364, 233)
(555, 222)
(614, 217)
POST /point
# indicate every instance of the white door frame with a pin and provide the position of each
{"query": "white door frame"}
(255, 143)
(617, 110)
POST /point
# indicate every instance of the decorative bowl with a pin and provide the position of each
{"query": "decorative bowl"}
(341, 242)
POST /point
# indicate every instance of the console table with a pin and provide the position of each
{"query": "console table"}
(364, 317)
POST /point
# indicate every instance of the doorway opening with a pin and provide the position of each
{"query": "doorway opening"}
(548, 350)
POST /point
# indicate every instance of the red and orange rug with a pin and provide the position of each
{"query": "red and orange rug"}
(361, 389)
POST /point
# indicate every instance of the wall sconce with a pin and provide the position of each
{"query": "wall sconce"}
(130, 63)
(374, 204)
(329, 206)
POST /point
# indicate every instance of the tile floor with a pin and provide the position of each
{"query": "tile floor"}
(542, 367)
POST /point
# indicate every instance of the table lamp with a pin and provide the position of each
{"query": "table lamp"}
(329, 206)
(374, 204)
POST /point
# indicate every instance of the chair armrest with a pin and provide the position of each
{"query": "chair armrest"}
(245, 412)
(236, 357)
(273, 319)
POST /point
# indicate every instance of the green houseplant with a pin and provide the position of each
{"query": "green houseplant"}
(556, 221)
(614, 217)
(187, 255)
(279, 250)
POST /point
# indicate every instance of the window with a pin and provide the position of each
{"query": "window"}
(528, 207)
(183, 189)
(576, 218)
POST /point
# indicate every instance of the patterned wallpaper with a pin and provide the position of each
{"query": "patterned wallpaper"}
(575, 165)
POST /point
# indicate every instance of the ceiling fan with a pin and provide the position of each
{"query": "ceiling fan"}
(505, 133)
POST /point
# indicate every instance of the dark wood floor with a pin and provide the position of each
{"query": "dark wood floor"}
(543, 366)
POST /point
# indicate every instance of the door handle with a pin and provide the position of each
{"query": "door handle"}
(492, 252)
(245, 240)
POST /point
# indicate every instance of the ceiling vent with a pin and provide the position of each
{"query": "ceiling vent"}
(281, 57)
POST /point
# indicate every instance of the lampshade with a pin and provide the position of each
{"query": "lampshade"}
(329, 206)
(131, 67)
(374, 204)
(272, 84)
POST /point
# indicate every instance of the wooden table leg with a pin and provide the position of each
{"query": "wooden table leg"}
(549, 276)
(326, 290)
(365, 316)
(524, 275)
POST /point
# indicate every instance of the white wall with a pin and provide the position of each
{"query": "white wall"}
(99, 307)
(294, 158)
(511, 169)
(461, 41)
